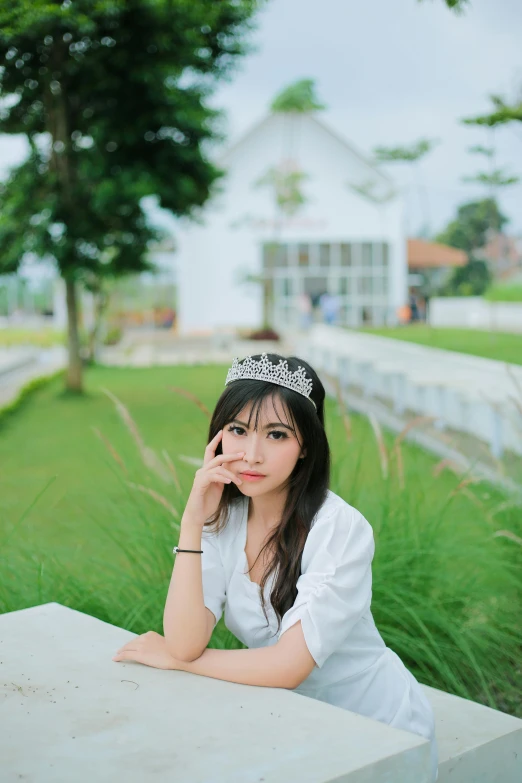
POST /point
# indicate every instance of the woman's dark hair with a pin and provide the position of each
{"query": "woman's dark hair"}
(307, 485)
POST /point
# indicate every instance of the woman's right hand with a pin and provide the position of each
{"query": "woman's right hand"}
(208, 483)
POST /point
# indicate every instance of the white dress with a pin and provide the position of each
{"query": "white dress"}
(355, 670)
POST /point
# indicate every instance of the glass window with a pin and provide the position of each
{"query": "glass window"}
(275, 255)
(286, 286)
(346, 255)
(385, 253)
(365, 285)
(345, 314)
(303, 255)
(324, 255)
(366, 254)
(378, 285)
(345, 287)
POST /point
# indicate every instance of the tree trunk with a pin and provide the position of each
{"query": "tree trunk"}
(74, 369)
(101, 301)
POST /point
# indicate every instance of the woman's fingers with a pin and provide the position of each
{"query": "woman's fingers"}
(221, 458)
(211, 447)
(228, 474)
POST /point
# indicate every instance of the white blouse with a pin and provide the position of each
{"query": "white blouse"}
(354, 668)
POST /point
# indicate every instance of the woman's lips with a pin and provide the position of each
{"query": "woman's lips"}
(250, 477)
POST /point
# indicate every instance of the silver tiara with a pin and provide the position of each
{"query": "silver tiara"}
(264, 370)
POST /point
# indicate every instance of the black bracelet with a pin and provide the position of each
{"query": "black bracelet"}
(177, 549)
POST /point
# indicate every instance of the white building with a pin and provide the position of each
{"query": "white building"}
(303, 210)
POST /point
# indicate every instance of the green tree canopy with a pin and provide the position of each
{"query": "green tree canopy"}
(111, 95)
(298, 97)
(470, 228)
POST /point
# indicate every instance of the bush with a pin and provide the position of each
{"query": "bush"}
(504, 293)
(113, 335)
(264, 334)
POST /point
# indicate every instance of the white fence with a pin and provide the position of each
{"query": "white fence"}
(474, 312)
(481, 397)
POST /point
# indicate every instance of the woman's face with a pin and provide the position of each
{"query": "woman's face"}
(272, 450)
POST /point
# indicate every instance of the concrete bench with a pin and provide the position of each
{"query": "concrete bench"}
(70, 713)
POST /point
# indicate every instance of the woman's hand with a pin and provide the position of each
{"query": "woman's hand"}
(150, 649)
(208, 482)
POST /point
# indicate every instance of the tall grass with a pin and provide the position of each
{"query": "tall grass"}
(447, 584)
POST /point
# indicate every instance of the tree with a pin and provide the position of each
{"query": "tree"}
(455, 5)
(469, 232)
(503, 112)
(470, 228)
(413, 155)
(111, 97)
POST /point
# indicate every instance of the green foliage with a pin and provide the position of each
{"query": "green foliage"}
(287, 186)
(504, 293)
(458, 6)
(472, 279)
(469, 229)
(298, 97)
(410, 154)
(493, 179)
(104, 82)
(503, 112)
(446, 595)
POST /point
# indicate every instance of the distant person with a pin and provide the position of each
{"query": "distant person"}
(414, 308)
(404, 314)
(305, 309)
(329, 304)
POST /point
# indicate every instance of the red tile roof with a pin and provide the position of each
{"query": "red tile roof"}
(424, 255)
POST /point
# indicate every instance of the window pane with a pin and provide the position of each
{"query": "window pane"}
(378, 285)
(366, 254)
(365, 285)
(346, 255)
(303, 255)
(344, 286)
(275, 255)
(385, 253)
(324, 255)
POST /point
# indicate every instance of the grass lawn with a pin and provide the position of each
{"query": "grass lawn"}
(446, 592)
(43, 338)
(491, 345)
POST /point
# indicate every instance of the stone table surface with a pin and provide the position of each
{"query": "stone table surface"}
(70, 714)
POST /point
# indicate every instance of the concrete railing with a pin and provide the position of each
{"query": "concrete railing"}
(474, 312)
(70, 713)
(478, 396)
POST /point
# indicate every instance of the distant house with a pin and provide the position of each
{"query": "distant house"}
(300, 212)
(503, 255)
(430, 264)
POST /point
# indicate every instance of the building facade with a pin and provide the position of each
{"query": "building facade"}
(300, 213)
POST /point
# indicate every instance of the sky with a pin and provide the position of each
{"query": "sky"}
(389, 72)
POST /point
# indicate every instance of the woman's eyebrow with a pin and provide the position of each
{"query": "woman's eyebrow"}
(267, 426)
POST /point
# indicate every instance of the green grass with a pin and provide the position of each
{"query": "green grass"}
(504, 293)
(491, 345)
(446, 593)
(43, 338)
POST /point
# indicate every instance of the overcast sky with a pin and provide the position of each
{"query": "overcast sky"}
(389, 72)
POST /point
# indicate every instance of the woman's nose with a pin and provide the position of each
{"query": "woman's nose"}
(253, 451)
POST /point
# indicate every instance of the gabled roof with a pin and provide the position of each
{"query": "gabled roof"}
(311, 117)
(428, 255)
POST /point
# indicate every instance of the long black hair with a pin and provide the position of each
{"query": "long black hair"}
(307, 485)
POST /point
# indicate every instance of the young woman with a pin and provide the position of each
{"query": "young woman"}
(266, 541)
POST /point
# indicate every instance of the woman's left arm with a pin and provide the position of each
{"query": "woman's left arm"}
(283, 665)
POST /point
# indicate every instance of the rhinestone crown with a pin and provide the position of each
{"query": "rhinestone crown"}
(264, 370)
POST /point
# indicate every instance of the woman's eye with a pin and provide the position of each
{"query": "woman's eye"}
(278, 432)
(233, 428)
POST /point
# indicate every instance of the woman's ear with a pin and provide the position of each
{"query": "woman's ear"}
(303, 455)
